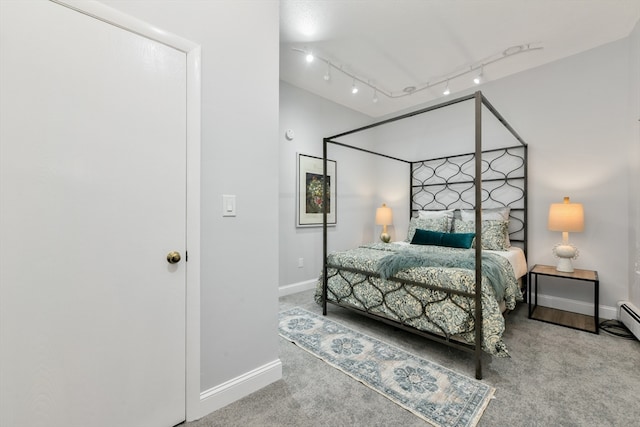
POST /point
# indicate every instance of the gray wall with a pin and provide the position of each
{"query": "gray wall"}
(575, 115)
(312, 119)
(239, 156)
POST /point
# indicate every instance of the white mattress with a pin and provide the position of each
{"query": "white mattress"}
(514, 255)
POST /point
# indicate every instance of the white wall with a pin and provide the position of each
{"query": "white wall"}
(574, 114)
(313, 118)
(240, 156)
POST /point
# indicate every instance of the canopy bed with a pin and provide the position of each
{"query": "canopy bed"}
(464, 254)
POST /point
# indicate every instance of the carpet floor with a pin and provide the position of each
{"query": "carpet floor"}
(556, 377)
(432, 392)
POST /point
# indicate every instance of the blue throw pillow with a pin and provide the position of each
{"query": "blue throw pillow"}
(435, 238)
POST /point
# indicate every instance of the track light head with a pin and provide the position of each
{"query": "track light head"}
(447, 91)
(375, 97)
(354, 88)
(478, 79)
(309, 57)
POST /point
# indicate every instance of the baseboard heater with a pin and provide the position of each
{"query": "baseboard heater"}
(630, 316)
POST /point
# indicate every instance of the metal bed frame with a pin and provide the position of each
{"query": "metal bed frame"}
(431, 189)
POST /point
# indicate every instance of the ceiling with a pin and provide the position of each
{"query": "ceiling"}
(395, 44)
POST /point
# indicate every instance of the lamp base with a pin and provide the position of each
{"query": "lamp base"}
(565, 253)
(385, 237)
(564, 265)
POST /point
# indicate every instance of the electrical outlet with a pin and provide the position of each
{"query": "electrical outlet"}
(300, 262)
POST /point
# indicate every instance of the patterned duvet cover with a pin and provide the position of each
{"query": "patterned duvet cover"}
(425, 309)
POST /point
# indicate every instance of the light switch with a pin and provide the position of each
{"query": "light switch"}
(228, 205)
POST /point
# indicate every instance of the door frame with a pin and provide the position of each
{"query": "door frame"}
(193, 96)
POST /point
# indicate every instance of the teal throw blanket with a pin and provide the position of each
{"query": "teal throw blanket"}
(491, 268)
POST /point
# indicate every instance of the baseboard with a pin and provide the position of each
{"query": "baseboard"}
(294, 288)
(604, 312)
(224, 394)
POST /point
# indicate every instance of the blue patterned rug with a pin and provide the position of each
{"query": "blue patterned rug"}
(432, 392)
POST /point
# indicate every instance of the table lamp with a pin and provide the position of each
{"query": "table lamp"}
(384, 217)
(566, 217)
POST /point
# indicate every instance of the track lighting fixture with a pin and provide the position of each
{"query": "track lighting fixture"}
(477, 67)
(447, 91)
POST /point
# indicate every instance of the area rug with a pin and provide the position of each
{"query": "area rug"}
(434, 393)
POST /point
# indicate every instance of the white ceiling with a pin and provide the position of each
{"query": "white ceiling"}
(393, 44)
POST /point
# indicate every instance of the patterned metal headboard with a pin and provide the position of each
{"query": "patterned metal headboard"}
(448, 183)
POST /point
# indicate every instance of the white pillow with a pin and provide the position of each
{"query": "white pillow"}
(447, 213)
(493, 214)
(441, 214)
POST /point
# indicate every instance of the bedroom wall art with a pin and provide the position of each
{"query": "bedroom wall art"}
(309, 191)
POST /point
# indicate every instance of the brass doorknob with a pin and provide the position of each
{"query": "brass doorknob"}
(173, 257)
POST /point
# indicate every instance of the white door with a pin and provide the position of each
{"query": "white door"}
(92, 169)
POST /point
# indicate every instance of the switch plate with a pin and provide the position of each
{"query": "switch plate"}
(228, 205)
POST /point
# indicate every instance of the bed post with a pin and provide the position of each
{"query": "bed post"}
(324, 226)
(410, 190)
(526, 203)
(478, 206)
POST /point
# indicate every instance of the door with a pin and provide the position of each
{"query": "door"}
(92, 169)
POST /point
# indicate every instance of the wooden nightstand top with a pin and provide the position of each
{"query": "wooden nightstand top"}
(577, 274)
(560, 317)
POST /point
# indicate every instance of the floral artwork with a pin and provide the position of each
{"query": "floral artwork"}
(310, 187)
(314, 193)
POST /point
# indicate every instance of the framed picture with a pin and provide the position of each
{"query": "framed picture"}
(309, 194)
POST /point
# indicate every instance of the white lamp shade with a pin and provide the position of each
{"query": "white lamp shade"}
(384, 215)
(566, 216)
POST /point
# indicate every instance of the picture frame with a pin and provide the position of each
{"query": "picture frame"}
(309, 191)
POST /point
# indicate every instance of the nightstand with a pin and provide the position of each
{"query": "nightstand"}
(560, 317)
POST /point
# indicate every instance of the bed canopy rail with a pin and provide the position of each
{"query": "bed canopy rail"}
(466, 181)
